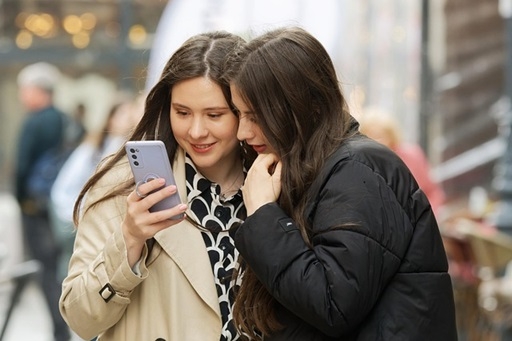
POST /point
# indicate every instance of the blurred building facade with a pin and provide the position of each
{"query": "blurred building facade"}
(466, 108)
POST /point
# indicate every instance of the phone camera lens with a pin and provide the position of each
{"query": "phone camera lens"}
(134, 156)
(132, 150)
(136, 163)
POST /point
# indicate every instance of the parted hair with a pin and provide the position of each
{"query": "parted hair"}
(203, 55)
(289, 82)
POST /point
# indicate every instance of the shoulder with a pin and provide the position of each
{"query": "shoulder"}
(360, 157)
(364, 150)
(119, 172)
(51, 112)
(48, 117)
(117, 177)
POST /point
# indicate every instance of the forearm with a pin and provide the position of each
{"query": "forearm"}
(87, 311)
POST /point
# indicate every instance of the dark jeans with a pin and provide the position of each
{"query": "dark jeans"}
(43, 247)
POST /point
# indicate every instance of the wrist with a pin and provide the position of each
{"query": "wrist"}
(134, 247)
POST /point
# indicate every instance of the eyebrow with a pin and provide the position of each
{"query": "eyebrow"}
(206, 109)
(248, 112)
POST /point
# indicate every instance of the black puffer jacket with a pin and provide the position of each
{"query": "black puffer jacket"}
(380, 275)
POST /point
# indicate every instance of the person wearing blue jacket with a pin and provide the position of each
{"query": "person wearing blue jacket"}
(340, 243)
(41, 133)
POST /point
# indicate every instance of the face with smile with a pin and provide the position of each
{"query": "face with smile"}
(205, 127)
(248, 128)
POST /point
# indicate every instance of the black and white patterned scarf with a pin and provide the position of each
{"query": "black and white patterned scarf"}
(218, 216)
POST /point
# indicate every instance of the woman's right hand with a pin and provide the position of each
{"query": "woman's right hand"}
(140, 224)
(263, 182)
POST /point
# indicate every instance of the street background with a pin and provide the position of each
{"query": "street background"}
(441, 67)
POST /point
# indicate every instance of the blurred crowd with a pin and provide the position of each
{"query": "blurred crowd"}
(56, 154)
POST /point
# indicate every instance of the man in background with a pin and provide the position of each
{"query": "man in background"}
(41, 132)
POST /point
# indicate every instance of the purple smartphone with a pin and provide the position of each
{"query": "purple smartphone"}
(148, 161)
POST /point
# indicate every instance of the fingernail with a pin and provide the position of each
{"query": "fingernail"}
(182, 207)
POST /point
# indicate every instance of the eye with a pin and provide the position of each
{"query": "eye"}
(250, 117)
(214, 115)
(181, 112)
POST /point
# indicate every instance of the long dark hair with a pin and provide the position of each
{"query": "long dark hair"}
(205, 55)
(289, 81)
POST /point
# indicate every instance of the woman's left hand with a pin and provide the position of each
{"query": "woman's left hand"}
(263, 182)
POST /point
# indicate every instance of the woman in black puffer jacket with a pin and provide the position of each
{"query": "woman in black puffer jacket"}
(340, 242)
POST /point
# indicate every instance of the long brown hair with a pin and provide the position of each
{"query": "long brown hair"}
(290, 83)
(205, 55)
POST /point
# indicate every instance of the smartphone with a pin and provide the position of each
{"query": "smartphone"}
(149, 161)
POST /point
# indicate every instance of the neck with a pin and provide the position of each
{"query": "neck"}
(232, 185)
(225, 176)
(233, 179)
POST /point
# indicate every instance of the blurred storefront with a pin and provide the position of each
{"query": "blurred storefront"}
(100, 46)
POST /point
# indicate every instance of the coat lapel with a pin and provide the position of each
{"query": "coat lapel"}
(184, 244)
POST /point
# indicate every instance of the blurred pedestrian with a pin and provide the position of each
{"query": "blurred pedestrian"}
(381, 126)
(42, 131)
(75, 129)
(339, 242)
(139, 275)
(123, 116)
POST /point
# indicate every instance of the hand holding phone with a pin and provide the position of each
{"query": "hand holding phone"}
(149, 161)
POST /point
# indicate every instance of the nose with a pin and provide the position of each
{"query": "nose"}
(198, 128)
(245, 130)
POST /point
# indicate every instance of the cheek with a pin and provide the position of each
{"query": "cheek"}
(178, 128)
(259, 134)
(228, 129)
(26, 94)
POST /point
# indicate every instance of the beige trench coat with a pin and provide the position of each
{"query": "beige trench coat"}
(174, 299)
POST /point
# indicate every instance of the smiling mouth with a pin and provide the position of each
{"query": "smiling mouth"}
(202, 146)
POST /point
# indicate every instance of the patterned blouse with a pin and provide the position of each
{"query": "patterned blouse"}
(218, 215)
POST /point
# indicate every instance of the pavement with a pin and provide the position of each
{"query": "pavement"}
(30, 319)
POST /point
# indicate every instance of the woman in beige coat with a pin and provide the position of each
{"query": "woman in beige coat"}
(135, 274)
